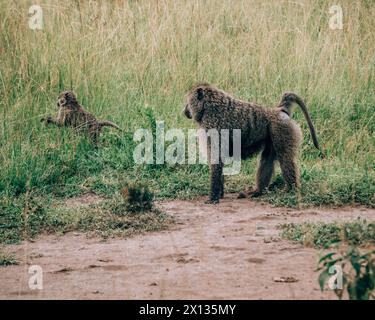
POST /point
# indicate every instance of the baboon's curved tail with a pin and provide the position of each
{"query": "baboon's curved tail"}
(286, 102)
(109, 124)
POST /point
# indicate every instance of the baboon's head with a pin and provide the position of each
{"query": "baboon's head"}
(196, 99)
(67, 99)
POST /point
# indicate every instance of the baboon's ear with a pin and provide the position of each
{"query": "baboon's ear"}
(200, 93)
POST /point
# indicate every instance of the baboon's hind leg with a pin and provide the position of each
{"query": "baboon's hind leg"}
(286, 140)
(287, 155)
(265, 170)
(290, 171)
(94, 137)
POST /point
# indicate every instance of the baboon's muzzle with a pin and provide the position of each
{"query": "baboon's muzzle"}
(60, 102)
(186, 112)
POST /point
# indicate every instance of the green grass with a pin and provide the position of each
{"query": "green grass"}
(132, 63)
(322, 235)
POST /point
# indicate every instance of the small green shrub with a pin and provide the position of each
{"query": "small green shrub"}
(137, 198)
(357, 270)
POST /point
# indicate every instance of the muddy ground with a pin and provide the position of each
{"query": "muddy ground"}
(226, 251)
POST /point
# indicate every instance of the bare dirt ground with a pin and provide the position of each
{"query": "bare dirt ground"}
(226, 251)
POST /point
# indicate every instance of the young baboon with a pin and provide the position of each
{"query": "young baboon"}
(72, 114)
(269, 130)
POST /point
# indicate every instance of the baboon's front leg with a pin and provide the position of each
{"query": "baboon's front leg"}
(222, 187)
(217, 188)
(50, 120)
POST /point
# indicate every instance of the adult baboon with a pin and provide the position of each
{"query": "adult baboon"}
(269, 130)
(72, 114)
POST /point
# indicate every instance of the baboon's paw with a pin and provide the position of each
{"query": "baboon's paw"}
(46, 120)
(255, 194)
(212, 201)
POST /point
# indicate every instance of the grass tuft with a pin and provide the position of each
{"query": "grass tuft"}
(322, 235)
(7, 259)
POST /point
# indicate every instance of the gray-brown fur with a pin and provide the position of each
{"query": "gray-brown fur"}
(269, 130)
(72, 114)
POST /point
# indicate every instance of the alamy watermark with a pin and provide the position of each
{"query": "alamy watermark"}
(35, 17)
(335, 282)
(214, 147)
(336, 20)
(36, 278)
